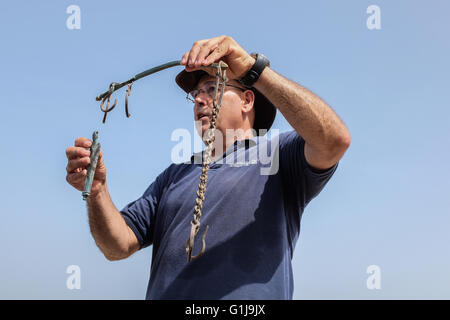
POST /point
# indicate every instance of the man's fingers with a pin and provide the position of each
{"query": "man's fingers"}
(206, 49)
(184, 58)
(77, 152)
(77, 177)
(83, 142)
(219, 51)
(193, 53)
(205, 52)
(77, 163)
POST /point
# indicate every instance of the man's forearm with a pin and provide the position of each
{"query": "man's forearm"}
(309, 115)
(109, 229)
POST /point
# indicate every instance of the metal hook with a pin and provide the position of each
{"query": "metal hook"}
(126, 99)
(190, 242)
(107, 98)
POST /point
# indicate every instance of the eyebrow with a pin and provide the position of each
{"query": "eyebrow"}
(204, 83)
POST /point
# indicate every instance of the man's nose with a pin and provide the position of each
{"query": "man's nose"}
(201, 99)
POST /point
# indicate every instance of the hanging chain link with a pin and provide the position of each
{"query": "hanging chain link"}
(221, 80)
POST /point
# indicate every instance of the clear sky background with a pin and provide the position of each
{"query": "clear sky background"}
(387, 204)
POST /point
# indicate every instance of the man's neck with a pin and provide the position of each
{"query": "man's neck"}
(227, 142)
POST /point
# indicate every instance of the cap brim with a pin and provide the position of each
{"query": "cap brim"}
(265, 111)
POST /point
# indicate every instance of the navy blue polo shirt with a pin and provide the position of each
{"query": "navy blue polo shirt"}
(255, 196)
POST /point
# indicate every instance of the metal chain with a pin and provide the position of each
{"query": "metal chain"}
(221, 79)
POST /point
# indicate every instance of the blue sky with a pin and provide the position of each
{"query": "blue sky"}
(387, 204)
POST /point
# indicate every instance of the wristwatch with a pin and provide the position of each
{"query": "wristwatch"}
(253, 74)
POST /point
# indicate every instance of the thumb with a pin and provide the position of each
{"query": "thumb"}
(100, 162)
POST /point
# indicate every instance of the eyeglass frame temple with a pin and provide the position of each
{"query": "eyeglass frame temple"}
(230, 85)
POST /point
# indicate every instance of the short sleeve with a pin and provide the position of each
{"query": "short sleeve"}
(301, 182)
(140, 214)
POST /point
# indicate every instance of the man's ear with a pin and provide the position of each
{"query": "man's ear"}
(249, 101)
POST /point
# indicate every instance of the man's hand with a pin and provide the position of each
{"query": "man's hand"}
(111, 233)
(78, 162)
(208, 51)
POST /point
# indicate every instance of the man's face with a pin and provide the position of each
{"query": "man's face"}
(236, 108)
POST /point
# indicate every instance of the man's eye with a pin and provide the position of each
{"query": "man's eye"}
(211, 90)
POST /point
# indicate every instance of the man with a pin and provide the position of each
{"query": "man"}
(253, 218)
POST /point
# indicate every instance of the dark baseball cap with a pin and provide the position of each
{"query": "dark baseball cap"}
(265, 111)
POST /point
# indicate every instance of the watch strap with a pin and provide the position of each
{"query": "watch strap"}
(255, 71)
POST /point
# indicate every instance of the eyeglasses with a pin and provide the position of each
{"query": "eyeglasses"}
(209, 88)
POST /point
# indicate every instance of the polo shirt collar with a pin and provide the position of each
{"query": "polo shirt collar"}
(244, 143)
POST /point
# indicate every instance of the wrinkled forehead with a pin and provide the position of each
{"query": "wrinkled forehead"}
(204, 79)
